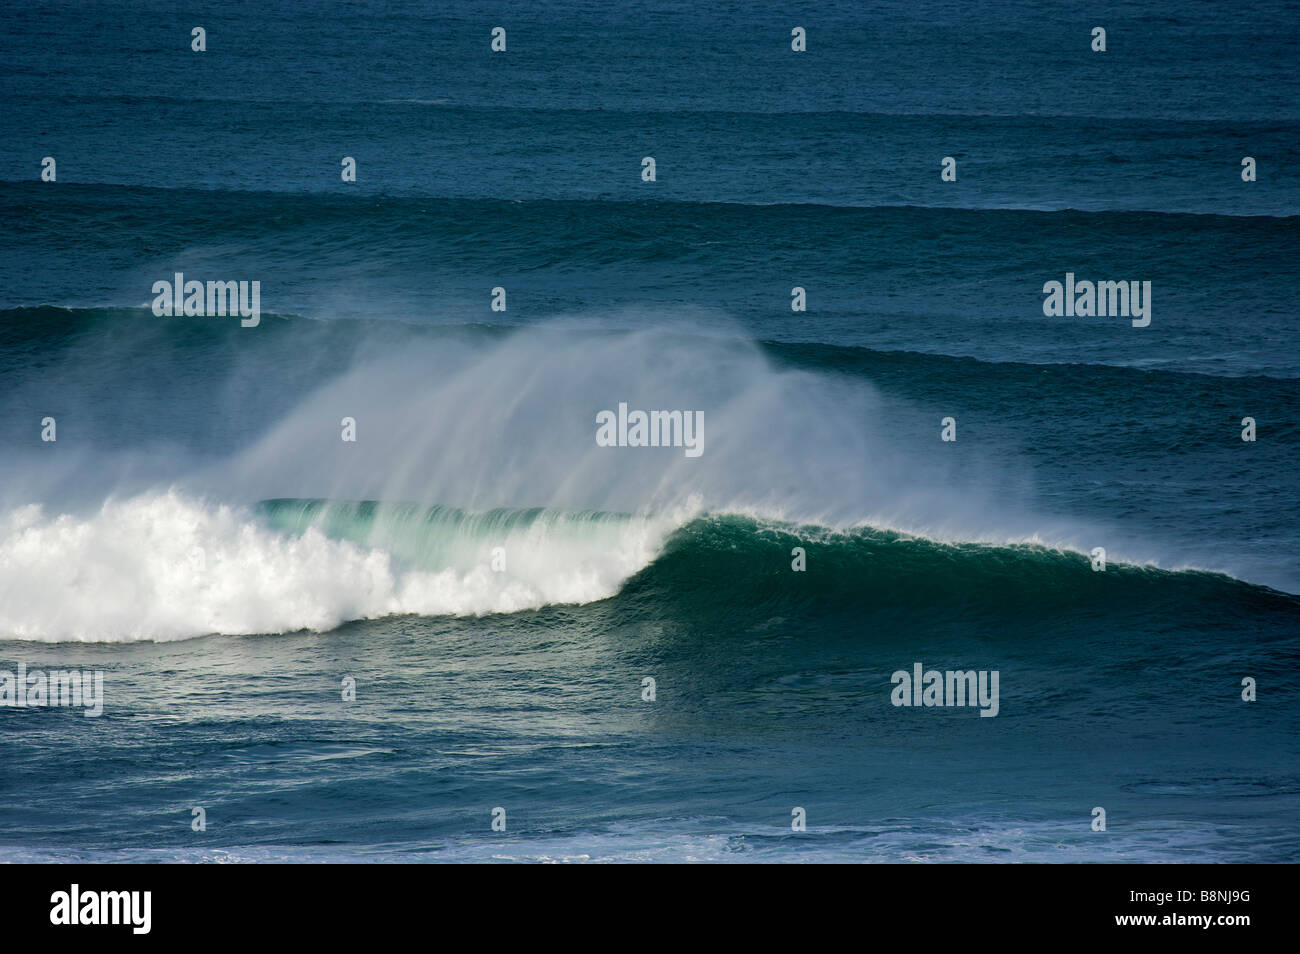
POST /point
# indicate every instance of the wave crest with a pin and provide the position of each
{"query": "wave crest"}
(164, 567)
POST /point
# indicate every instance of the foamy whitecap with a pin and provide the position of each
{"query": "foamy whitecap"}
(165, 566)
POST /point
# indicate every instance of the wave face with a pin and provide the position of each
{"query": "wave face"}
(729, 563)
(164, 567)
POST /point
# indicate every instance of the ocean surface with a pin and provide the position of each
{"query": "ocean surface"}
(490, 589)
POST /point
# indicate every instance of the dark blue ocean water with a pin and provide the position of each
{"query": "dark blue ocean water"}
(496, 585)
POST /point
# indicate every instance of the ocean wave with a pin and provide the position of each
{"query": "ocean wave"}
(490, 422)
(165, 567)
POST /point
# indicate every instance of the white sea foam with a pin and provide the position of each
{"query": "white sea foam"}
(165, 566)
